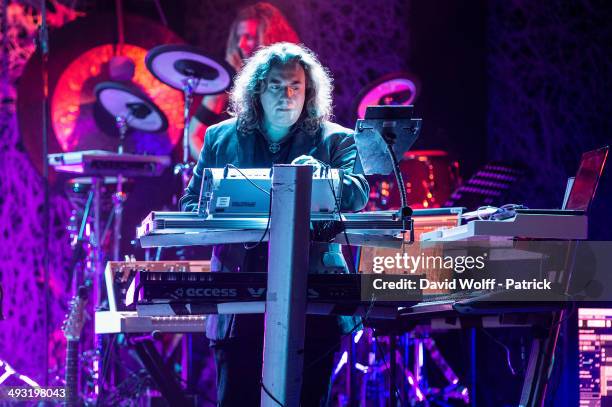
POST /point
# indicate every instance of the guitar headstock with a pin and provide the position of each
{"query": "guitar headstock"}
(73, 324)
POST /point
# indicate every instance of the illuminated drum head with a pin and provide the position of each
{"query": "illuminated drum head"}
(395, 89)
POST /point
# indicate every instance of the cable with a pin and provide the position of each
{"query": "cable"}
(338, 211)
(372, 299)
(131, 387)
(482, 208)
(503, 345)
(357, 325)
(248, 179)
(269, 193)
(500, 213)
(263, 386)
(266, 230)
(569, 314)
(392, 379)
(105, 359)
(398, 175)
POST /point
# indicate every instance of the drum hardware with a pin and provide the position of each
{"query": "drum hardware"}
(187, 69)
(430, 178)
(78, 241)
(78, 190)
(186, 166)
(99, 163)
(387, 356)
(131, 109)
(77, 122)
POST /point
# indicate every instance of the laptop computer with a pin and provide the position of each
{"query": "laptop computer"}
(583, 186)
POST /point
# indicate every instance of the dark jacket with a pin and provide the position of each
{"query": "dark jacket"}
(223, 145)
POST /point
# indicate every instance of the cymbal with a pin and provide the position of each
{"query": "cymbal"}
(175, 64)
(129, 103)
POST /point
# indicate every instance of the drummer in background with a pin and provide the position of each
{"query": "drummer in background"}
(256, 25)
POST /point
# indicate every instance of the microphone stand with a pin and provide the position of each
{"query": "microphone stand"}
(405, 212)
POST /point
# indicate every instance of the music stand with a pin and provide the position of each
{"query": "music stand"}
(387, 132)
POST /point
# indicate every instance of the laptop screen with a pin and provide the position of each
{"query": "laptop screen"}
(587, 177)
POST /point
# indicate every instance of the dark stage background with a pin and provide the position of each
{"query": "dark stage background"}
(523, 81)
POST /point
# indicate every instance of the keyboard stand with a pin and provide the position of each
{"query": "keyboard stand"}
(161, 374)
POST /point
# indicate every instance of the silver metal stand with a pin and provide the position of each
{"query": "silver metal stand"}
(119, 197)
(96, 241)
(188, 87)
(186, 166)
(286, 296)
(96, 276)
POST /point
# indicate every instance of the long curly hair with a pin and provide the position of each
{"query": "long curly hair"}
(245, 101)
(272, 27)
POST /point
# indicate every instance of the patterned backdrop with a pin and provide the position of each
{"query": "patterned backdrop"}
(547, 74)
(23, 342)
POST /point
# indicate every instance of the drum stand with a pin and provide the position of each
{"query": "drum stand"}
(93, 208)
(188, 70)
(396, 360)
(131, 109)
(119, 197)
(185, 168)
(91, 257)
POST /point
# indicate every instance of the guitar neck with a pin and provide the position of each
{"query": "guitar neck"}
(72, 366)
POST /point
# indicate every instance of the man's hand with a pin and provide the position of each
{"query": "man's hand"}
(308, 160)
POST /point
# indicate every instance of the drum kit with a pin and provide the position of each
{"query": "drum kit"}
(104, 177)
(180, 67)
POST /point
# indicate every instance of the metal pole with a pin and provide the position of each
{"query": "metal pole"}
(96, 239)
(96, 273)
(351, 381)
(286, 294)
(188, 93)
(119, 196)
(392, 370)
(118, 199)
(473, 367)
(542, 356)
